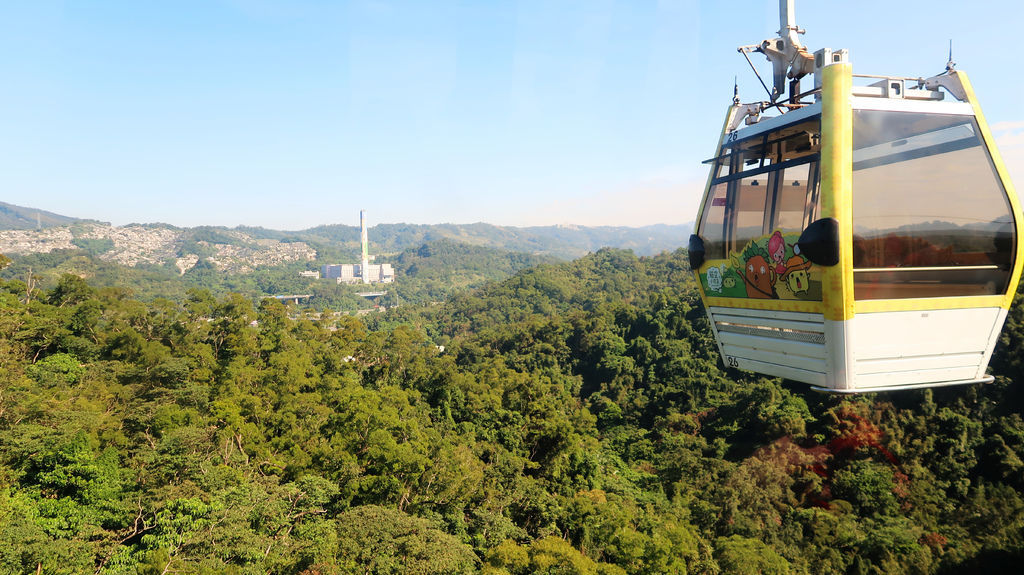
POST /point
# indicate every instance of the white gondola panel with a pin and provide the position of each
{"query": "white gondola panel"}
(924, 347)
(783, 344)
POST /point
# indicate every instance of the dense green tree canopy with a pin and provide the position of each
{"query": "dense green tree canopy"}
(572, 419)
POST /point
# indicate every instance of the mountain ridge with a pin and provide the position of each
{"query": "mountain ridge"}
(335, 241)
(14, 217)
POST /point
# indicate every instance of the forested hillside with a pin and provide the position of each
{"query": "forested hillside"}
(434, 271)
(573, 419)
(14, 217)
(427, 273)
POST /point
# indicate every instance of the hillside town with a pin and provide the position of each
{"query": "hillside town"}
(135, 245)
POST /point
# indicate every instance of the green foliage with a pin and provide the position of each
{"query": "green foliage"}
(744, 556)
(59, 368)
(571, 419)
(868, 485)
(94, 246)
(379, 541)
(434, 271)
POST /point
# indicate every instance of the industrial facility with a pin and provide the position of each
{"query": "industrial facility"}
(363, 272)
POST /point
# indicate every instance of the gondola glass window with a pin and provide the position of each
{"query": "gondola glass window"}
(763, 193)
(930, 216)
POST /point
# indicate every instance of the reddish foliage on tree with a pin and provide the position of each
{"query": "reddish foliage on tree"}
(856, 432)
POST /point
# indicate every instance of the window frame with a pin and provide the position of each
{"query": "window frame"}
(811, 207)
(972, 276)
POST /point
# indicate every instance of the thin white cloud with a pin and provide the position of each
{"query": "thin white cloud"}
(1010, 141)
(1008, 126)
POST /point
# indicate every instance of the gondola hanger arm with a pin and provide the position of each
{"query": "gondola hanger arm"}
(950, 81)
(749, 114)
(788, 56)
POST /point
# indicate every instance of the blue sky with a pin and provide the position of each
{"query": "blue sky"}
(292, 114)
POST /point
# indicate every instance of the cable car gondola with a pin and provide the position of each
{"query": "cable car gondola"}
(865, 239)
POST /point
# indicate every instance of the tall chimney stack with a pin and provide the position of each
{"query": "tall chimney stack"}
(365, 269)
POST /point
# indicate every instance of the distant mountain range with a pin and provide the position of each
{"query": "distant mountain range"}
(566, 242)
(19, 235)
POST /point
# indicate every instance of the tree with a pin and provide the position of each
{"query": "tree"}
(375, 540)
